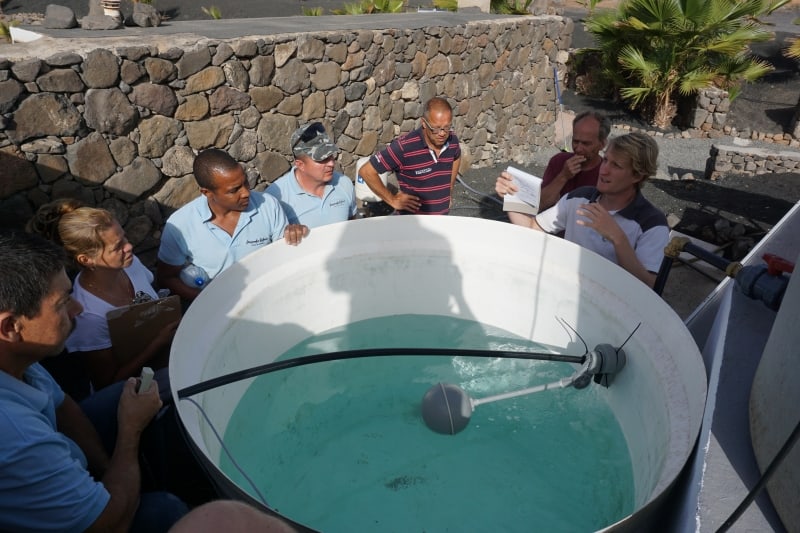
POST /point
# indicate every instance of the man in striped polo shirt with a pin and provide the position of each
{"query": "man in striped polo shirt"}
(425, 161)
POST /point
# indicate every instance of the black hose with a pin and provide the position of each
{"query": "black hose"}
(709, 257)
(239, 375)
(765, 477)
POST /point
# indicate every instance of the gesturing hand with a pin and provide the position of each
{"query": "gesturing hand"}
(599, 219)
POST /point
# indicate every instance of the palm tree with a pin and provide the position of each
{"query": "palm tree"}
(654, 51)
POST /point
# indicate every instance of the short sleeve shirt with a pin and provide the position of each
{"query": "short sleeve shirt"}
(91, 326)
(643, 224)
(44, 483)
(419, 170)
(190, 237)
(584, 178)
(337, 204)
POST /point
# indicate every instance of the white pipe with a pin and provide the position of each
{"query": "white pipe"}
(560, 384)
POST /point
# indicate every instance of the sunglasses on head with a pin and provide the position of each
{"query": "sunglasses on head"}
(310, 133)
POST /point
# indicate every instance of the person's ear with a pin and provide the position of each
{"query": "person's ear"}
(84, 261)
(9, 327)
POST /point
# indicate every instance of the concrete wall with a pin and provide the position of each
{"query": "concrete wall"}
(119, 126)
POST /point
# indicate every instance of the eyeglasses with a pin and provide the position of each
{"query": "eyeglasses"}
(310, 133)
(437, 131)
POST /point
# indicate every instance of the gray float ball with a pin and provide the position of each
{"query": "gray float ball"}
(446, 408)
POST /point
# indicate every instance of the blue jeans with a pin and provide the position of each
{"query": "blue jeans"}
(101, 407)
(157, 512)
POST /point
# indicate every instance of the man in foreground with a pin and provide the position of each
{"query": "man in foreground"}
(313, 193)
(54, 471)
(426, 162)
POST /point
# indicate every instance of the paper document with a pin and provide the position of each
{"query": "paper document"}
(526, 199)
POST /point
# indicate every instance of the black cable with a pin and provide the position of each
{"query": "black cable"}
(765, 477)
(228, 453)
(479, 193)
(239, 375)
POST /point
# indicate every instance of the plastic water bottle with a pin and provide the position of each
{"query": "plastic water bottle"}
(194, 276)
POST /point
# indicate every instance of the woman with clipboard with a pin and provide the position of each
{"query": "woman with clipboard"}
(109, 277)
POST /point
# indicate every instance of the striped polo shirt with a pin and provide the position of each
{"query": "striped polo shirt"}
(419, 170)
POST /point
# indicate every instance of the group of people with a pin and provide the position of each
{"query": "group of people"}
(76, 466)
(229, 221)
(596, 200)
(66, 466)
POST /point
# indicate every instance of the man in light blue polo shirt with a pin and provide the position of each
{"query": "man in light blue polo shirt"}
(312, 193)
(220, 227)
(55, 471)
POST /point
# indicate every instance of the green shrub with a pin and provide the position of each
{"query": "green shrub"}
(5, 30)
(367, 7)
(448, 5)
(214, 12)
(657, 51)
(510, 7)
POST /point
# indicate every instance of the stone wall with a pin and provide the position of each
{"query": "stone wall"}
(119, 127)
(710, 115)
(749, 161)
(710, 111)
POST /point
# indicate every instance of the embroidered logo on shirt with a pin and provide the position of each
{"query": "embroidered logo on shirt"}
(258, 242)
(337, 203)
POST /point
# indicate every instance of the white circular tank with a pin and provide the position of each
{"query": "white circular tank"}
(490, 272)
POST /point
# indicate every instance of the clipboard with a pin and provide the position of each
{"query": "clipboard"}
(132, 327)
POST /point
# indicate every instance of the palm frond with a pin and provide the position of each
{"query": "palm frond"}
(695, 81)
(653, 50)
(636, 96)
(793, 50)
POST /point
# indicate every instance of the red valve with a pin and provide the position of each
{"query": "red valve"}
(777, 265)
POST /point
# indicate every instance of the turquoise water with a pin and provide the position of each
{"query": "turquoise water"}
(342, 447)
